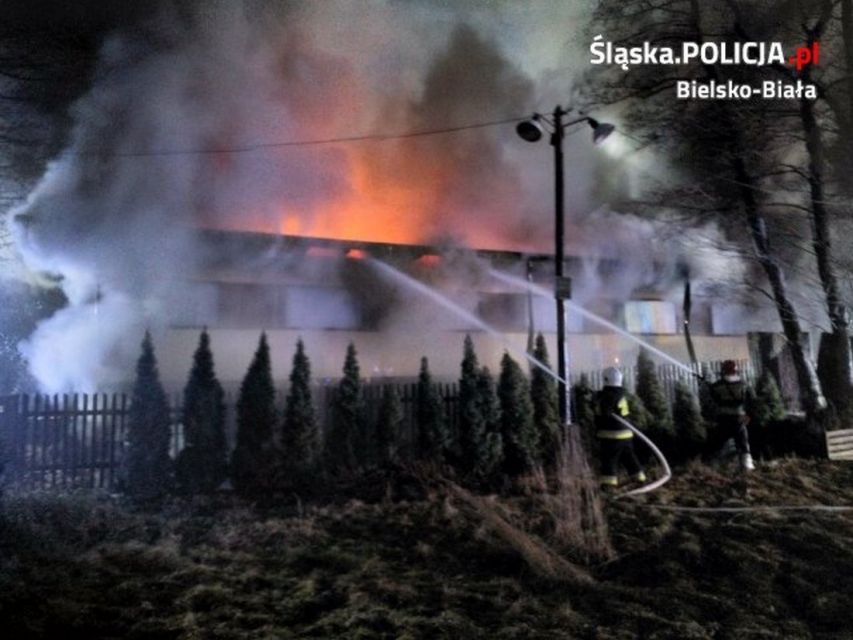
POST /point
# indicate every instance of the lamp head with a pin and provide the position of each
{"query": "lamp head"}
(529, 130)
(600, 130)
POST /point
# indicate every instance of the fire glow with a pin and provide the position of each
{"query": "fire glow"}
(386, 203)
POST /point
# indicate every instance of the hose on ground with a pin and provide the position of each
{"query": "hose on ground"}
(667, 472)
(674, 507)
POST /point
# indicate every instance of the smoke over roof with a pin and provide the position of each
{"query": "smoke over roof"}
(174, 134)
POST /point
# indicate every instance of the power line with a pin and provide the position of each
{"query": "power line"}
(260, 146)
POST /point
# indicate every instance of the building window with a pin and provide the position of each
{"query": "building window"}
(504, 311)
(320, 308)
(251, 306)
(650, 316)
(193, 305)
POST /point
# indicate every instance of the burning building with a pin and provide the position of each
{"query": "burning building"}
(330, 293)
(250, 124)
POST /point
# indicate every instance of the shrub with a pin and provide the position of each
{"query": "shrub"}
(648, 388)
(299, 427)
(478, 449)
(583, 411)
(202, 464)
(347, 435)
(767, 410)
(689, 425)
(148, 473)
(489, 451)
(518, 433)
(253, 460)
(767, 404)
(471, 421)
(543, 393)
(583, 403)
(639, 416)
(434, 437)
(389, 425)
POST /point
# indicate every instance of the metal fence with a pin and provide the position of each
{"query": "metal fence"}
(670, 375)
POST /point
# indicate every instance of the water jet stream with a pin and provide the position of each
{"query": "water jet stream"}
(542, 291)
(460, 311)
(466, 315)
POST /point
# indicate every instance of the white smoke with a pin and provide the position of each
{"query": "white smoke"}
(114, 217)
(117, 227)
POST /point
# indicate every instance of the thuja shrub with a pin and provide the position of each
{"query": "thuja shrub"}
(254, 459)
(202, 464)
(148, 467)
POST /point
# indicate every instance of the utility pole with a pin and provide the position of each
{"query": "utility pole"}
(562, 286)
(531, 131)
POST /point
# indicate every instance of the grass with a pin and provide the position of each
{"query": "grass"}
(443, 564)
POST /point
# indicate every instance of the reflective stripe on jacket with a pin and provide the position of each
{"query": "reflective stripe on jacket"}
(608, 401)
(614, 434)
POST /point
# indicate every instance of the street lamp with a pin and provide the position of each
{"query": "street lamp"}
(531, 130)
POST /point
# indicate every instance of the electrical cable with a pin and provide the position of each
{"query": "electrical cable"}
(249, 148)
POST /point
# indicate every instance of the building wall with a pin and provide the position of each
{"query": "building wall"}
(311, 288)
(398, 354)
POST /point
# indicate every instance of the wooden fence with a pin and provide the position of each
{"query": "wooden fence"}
(72, 441)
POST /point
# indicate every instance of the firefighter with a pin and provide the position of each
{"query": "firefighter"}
(731, 397)
(616, 441)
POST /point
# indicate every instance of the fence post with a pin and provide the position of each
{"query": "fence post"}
(10, 410)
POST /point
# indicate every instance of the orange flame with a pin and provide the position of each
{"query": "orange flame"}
(397, 193)
(429, 260)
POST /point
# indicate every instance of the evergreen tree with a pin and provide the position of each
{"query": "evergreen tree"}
(583, 412)
(640, 416)
(488, 450)
(148, 466)
(689, 425)
(518, 433)
(433, 434)
(202, 464)
(583, 404)
(472, 426)
(543, 393)
(649, 390)
(346, 436)
(767, 405)
(299, 428)
(253, 460)
(389, 425)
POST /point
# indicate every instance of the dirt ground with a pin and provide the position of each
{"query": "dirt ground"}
(83, 566)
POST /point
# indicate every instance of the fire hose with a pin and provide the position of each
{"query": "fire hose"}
(667, 472)
(667, 475)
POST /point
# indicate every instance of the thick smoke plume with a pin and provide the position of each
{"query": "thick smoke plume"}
(176, 131)
(115, 215)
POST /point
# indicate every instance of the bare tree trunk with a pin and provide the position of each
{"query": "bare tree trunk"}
(837, 369)
(810, 392)
(847, 40)
(811, 396)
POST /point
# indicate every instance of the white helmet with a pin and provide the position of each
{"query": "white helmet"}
(612, 377)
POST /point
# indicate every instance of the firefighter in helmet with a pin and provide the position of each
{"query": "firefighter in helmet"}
(616, 441)
(731, 397)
